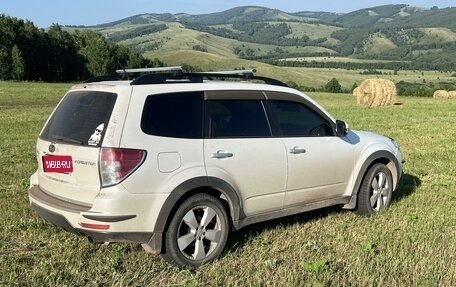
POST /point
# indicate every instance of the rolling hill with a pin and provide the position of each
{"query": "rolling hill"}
(406, 36)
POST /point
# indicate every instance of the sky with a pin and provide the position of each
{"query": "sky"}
(43, 13)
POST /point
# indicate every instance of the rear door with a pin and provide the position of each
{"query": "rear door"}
(169, 126)
(239, 149)
(75, 131)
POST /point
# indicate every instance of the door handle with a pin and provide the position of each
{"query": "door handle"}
(221, 154)
(297, 150)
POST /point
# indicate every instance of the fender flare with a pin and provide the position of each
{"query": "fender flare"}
(182, 190)
(382, 154)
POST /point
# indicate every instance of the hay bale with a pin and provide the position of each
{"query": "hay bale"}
(376, 92)
(355, 91)
(441, 94)
(452, 95)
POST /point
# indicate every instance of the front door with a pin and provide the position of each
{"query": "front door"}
(319, 163)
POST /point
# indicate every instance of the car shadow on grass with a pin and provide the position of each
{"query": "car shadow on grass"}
(238, 239)
(408, 185)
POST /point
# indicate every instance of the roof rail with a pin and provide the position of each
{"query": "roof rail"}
(122, 74)
(198, 77)
(126, 72)
(175, 74)
(150, 70)
(233, 72)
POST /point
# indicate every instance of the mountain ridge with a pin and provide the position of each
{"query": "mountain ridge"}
(377, 15)
(425, 37)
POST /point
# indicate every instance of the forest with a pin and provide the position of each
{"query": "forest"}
(409, 50)
(55, 55)
(259, 32)
(377, 38)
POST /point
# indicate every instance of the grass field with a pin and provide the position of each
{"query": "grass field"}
(411, 244)
(309, 77)
(178, 37)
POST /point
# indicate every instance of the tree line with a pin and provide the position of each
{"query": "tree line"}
(394, 65)
(30, 53)
(258, 32)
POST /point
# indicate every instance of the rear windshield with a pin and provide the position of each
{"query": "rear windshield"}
(81, 118)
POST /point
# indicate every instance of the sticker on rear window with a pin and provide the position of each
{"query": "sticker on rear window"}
(95, 138)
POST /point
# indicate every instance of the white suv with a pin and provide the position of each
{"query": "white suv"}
(175, 161)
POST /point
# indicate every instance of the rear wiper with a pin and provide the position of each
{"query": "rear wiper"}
(67, 140)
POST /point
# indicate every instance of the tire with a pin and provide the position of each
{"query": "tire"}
(376, 190)
(197, 232)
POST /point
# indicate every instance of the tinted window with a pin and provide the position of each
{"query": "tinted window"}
(81, 118)
(174, 115)
(296, 119)
(237, 118)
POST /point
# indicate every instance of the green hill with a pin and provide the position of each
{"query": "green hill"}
(408, 37)
(244, 14)
(370, 16)
(397, 16)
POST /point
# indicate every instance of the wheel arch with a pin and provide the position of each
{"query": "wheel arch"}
(210, 185)
(383, 156)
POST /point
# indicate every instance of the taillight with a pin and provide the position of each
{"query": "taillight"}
(116, 164)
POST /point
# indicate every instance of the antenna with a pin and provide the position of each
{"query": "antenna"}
(123, 71)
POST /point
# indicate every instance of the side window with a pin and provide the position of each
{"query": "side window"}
(297, 120)
(236, 119)
(177, 115)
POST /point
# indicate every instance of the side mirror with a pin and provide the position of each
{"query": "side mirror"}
(341, 128)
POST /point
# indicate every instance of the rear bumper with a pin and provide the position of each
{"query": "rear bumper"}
(66, 216)
(55, 219)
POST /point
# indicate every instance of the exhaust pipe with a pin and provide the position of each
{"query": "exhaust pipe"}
(94, 241)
